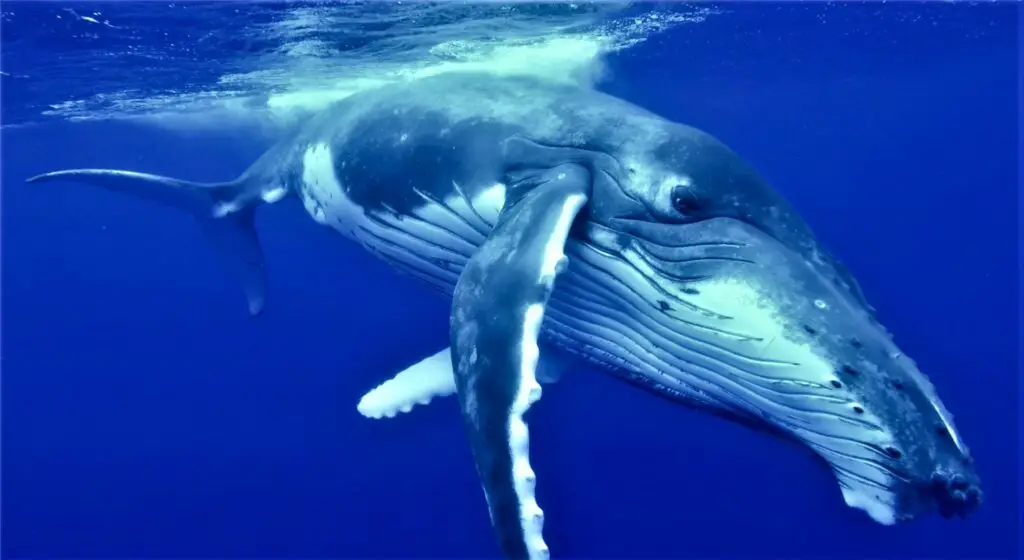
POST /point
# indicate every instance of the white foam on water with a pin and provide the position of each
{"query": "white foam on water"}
(313, 66)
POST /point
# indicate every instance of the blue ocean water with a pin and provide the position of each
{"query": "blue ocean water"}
(146, 415)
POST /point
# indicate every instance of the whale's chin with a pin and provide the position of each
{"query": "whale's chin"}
(878, 510)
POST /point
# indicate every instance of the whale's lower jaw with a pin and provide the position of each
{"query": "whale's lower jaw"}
(874, 500)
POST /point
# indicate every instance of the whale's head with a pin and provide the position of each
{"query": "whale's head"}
(723, 295)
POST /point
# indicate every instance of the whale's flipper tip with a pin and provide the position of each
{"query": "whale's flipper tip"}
(418, 384)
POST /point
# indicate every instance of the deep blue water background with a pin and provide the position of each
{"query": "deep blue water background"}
(146, 415)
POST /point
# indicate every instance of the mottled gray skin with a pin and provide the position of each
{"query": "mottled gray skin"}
(671, 211)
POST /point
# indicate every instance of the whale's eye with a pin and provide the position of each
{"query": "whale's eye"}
(685, 201)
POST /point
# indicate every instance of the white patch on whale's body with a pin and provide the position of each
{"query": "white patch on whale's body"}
(324, 196)
(882, 512)
(432, 243)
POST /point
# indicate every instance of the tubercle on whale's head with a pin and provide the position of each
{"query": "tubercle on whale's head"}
(753, 316)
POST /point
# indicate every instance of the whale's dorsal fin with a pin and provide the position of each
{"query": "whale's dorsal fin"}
(431, 377)
(497, 311)
(225, 211)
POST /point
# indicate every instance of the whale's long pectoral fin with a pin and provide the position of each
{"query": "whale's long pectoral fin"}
(417, 384)
(497, 310)
(225, 211)
(431, 377)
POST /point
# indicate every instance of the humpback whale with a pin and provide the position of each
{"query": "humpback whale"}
(567, 225)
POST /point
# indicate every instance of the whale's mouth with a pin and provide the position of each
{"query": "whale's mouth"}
(722, 314)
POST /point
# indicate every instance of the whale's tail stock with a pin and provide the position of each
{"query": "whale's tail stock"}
(225, 212)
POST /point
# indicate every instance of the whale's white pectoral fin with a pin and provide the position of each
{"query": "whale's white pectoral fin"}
(417, 384)
(497, 311)
(429, 378)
